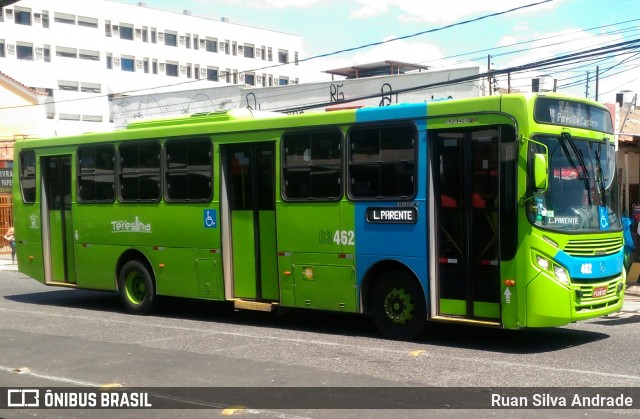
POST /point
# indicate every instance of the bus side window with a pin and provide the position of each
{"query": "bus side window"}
(312, 165)
(382, 162)
(28, 176)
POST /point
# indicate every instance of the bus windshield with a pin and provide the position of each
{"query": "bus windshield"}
(582, 191)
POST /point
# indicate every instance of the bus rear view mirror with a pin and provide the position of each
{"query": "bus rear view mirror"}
(540, 171)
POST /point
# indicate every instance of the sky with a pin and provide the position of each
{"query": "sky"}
(450, 33)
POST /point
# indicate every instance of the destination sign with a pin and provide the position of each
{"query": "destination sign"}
(389, 215)
(574, 114)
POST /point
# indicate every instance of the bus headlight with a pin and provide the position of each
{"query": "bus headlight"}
(561, 274)
(558, 272)
(543, 262)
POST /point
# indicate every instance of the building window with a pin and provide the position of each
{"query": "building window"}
(96, 174)
(66, 52)
(172, 70)
(64, 18)
(127, 64)
(283, 81)
(68, 85)
(47, 54)
(45, 19)
(92, 118)
(109, 62)
(140, 172)
(85, 54)
(107, 28)
(250, 79)
(189, 170)
(2, 50)
(154, 67)
(28, 176)
(24, 51)
(87, 22)
(90, 88)
(145, 35)
(312, 168)
(212, 74)
(382, 162)
(211, 45)
(126, 32)
(145, 65)
(69, 117)
(22, 17)
(249, 51)
(283, 56)
(170, 39)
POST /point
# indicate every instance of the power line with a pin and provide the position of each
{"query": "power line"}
(548, 63)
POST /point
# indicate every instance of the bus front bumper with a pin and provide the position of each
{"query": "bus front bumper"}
(549, 303)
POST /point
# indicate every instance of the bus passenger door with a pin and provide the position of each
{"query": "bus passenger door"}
(249, 221)
(466, 202)
(57, 223)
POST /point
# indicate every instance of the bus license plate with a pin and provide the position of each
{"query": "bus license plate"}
(599, 292)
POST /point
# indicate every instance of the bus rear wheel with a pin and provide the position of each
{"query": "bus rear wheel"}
(137, 290)
(398, 306)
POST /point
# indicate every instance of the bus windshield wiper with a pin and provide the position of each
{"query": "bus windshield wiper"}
(583, 173)
(600, 173)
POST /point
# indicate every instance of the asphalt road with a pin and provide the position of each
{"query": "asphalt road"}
(57, 337)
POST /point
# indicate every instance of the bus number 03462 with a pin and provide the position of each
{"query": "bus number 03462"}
(339, 237)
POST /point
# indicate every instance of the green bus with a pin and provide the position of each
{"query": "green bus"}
(500, 211)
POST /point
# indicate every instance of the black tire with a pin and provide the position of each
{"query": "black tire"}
(398, 306)
(136, 287)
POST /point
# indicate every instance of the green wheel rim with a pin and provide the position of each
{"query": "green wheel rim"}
(398, 306)
(135, 288)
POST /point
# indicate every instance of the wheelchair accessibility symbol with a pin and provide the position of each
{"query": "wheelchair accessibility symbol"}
(604, 218)
(210, 220)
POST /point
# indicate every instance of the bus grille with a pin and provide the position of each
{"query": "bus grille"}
(594, 247)
(586, 301)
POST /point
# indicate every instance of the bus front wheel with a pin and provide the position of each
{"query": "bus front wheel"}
(137, 290)
(398, 306)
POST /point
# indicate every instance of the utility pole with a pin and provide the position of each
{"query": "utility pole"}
(597, 80)
(586, 92)
(489, 73)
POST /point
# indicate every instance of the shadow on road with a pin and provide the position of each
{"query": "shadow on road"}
(339, 324)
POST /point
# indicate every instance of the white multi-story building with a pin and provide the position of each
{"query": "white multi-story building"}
(84, 52)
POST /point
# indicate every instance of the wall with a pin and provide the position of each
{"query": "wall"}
(383, 90)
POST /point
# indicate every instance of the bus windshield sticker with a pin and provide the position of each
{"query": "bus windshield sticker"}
(563, 220)
(603, 217)
(405, 215)
(136, 226)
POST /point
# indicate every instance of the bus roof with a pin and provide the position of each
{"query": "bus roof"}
(204, 117)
